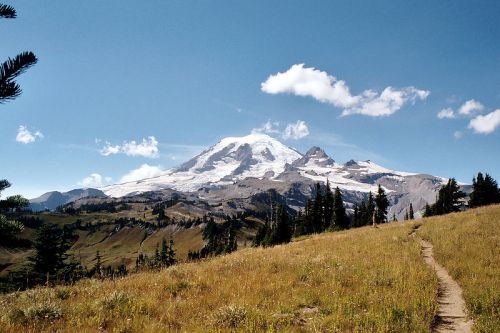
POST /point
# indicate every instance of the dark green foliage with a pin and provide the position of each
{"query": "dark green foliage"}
(340, 220)
(10, 229)
(12, 68)
(449, 200)
(328, 207)
(427, 211)
(50, 262)
(485, 191)
(219, 238)
(279, 231)
(382, 205)
(411, 214)
(317, 211)
(161, 258)
(7, 11)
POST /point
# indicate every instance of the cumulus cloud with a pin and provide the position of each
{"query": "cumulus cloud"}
(470, 107)
(25, 136)
(446, 113)
(94, 180)
(486, 124)
(296, 130)
(268, 128)
(311, 82)
(147, 148)
(144, 171)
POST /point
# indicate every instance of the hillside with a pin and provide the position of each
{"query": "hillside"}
(361, 280)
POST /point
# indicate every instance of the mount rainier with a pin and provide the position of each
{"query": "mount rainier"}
(236, 168)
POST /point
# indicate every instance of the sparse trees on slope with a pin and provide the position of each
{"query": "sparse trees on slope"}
(12, 68)
(485, 191)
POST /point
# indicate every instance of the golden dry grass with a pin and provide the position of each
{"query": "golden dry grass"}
(468, 246)
(362, 280)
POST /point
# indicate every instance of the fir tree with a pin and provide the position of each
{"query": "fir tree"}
(485, 191)
(370, 208)
(328, 203)
(406, 215)
(411, 215)
(449, 198)
(98, 265)
(340, 219)
(382, 205)
(317, 214)
(171, 260)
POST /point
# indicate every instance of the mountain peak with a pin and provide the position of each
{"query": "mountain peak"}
(314, 156)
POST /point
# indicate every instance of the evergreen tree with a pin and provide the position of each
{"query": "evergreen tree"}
(340, 219)
(9, 229)
(356, 217)
(12, 68)
(382, 205)
(411, 216)
(370, 208)
(317, 214)
(364, 215)
(164, 255)
(394, 219)
(449, 198)
(281, 233)
(328, 202)
(171, 260)
(98, 265)
(485, 191)
(260, 236)
(407, 217)
(427, 210)
(51, 244)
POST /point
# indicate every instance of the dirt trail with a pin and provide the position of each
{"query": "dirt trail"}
(451, 315)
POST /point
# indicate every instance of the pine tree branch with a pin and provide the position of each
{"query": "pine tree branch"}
(11, 69)
(7, 11)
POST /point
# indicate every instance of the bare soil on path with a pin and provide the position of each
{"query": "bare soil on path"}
(451, 315)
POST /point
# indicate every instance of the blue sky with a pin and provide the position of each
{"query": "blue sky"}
(181, 75)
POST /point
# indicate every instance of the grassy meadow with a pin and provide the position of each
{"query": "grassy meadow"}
(361, 280)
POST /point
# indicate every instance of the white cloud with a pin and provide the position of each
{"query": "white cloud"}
(296, 130)
(470, 107)
(268, 128)
(446, 113)
(25, 136)
(486, 124)
(147, 148)
(94, 180)
(458, 135)
(301, 81)
(144, 171)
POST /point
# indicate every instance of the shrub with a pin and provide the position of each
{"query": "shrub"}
(231, 316)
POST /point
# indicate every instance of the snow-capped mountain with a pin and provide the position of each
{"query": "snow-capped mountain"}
(231, 159)
(240, 167)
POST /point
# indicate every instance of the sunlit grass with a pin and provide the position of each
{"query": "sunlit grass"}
(353, 281)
